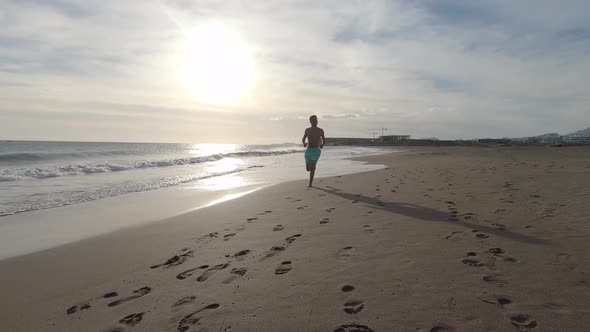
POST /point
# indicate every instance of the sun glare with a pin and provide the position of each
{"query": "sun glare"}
(218, 64)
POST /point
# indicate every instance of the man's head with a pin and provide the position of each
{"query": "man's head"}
(313, 120)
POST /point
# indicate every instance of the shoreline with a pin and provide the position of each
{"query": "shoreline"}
(20, 233)
(458, 238)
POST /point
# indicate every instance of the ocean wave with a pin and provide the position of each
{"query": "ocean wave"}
(47, 156)
(8, 178)
(16, 174)
(53, 200)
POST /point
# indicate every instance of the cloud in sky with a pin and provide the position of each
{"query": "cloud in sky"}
(450, 69)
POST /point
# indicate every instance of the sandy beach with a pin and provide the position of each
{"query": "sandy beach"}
(443, 239)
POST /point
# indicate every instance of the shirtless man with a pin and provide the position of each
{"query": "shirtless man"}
(316, 140)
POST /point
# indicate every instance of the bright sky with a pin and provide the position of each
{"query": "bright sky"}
(253, 71)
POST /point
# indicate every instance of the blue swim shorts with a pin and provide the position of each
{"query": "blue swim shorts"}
(312, 154)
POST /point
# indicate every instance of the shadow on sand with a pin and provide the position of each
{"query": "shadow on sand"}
(428, 214)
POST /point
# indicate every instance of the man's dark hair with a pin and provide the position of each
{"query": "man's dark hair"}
(313, 116)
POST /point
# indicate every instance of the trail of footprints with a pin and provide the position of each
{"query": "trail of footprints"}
(191, 319)
(204, 273)
(129, 320)
(472, 260)
(136, 294)
(352, 306)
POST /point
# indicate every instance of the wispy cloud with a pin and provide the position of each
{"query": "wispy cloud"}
(340, 116)
(455, 68)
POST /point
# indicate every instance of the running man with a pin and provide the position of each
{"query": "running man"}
(316, 140)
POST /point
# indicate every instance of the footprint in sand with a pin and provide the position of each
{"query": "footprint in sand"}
(330, 210)
(76, 308)
(501, 300)
(185, 300)
(87, 306)
(137, 294)
(285, 267)
(368, 229)
(500, 227)
(302, 207)
(292, 238)
(174, 260)
(188, 273)
(496, 278)
(353, 307)
(347, 252)
(109, 295)
(235, 273)
(273, 251)
(188, 321)
(265, 212)
(240, 254)
(117, 329)
(442, 328)
(452, 217)
(472, 262)
(496, 251)
(210, 271)
(226, 237)
(278, 228)
(347, 288)
(453, 233)
(132, 320)
(353, 328)
(324, 221)
(249, 220)
(523, 322)
(481, 235)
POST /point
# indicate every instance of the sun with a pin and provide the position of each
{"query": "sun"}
(217, 64)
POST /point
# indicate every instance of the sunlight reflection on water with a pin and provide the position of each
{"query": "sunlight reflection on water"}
(212, 149)
(222, 182)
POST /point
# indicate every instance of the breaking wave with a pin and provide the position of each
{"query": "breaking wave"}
(16, 174)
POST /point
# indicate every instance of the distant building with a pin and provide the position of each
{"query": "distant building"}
(552, 138)
(394, 138)
(577, 139)
(493, 140)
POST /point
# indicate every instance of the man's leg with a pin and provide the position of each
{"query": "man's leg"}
(308, 166)
(312, 172)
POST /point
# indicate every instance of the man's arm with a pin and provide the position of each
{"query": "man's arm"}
(303, 139)
(323, 139)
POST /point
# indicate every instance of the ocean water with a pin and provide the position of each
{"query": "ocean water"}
(53, 193)
(45, 175)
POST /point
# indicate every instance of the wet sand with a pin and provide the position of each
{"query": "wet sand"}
(444, 239)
